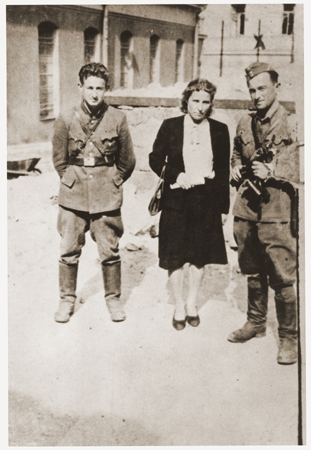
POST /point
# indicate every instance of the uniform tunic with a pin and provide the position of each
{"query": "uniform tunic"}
(99, 188)
(279, 125)
(262, 229)
(90, 197)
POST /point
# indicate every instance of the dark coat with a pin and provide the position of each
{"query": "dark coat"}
(169, 143)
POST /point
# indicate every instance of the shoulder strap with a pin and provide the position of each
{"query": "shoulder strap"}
(257, 143)
(87, 131)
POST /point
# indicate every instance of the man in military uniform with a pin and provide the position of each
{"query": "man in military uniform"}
(262, 222)
(93, 155)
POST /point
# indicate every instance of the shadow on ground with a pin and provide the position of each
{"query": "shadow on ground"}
(214, 277)
(134, 265)
(217, 280)
(31, 424)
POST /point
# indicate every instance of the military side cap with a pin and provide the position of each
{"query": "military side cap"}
(256, 68)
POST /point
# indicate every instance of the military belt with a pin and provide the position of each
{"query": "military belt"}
(93, 161)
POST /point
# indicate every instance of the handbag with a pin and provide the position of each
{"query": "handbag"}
(155, 205)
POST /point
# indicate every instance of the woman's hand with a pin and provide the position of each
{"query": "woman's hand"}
(260, 170)
(183, 181)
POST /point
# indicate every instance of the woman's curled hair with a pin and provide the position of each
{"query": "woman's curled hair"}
(199, 84)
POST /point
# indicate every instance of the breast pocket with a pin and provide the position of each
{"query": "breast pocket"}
(75, 146)
(248, 144)
(281, 139)
(107, 143)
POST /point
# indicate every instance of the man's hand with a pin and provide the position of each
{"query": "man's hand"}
(183, 181)
(236, 172)
(260, 170)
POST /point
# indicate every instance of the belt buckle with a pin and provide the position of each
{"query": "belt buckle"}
(89, 162)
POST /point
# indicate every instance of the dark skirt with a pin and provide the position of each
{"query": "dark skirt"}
(193, 234)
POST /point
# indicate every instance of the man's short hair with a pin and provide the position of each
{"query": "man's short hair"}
(274, 77)
(199, 84)
(94, 70)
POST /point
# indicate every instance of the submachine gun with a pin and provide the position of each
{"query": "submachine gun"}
(263, 154)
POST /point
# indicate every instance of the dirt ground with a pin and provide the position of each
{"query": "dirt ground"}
(92, 382)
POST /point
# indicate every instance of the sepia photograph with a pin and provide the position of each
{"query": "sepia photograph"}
(155, 224)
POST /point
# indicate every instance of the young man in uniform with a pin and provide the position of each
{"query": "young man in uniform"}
(93, 155)
(262, 222)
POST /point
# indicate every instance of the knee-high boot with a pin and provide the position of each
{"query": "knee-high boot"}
(67, 291)
(257, 300)
(112, 285)
(287, 318)
(256, 311)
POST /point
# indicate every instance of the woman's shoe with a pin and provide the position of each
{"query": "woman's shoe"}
(179, 324)
(194, 321)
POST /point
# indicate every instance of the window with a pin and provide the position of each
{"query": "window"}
(48, 70)
(179, 64)
(154, 59)
(91, 45)
(239, 18)
(126, 80)
(288, 19)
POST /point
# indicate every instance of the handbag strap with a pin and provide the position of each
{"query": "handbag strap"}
(163, 169)
(163, 172)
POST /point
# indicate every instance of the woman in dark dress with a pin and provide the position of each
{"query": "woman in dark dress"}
(196, 193)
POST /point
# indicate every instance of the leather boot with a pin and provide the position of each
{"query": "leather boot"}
(257, 300)
(247, 332)
(67, 291)
(256, 311)
(287, 318)
(112, 285)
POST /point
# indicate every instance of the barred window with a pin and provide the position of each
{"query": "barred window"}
(239, 18)
(48, 70)
(91, 45)
(126, 63)
(154, 59)
(179, 62)
(288, 19)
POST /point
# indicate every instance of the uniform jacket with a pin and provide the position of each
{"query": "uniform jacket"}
(99, 188)
(285, 166)
(169, 143)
